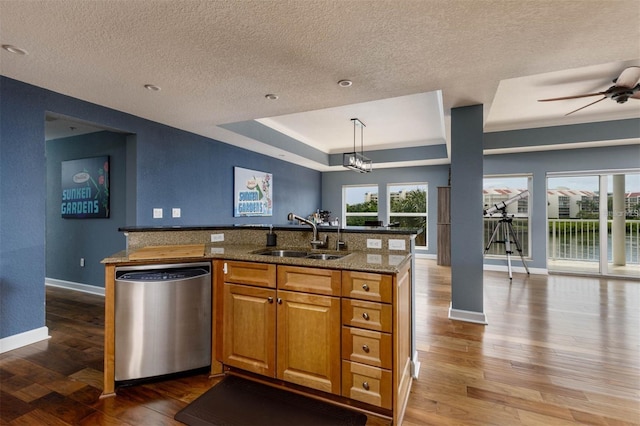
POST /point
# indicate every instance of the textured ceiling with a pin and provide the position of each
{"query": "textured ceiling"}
(215, 60)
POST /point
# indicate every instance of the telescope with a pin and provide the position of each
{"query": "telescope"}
(503, 204)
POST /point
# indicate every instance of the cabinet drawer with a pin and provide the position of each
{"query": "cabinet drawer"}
(367, 286)
(309, 280)
(260, 274)
(367, 347)
(369, 315)
(367, 384)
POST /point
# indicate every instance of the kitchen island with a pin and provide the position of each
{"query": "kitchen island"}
(335, 324)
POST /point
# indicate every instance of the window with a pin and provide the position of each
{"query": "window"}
(408, 208)
(498, 189)
(359, 204)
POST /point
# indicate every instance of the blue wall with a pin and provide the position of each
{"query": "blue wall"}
(172, 168)
(68, 240)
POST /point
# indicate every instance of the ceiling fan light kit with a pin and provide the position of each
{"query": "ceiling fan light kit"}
(354, 160)
(625, 87)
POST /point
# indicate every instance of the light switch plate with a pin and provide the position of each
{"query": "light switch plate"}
(216, 238)
(396, 244)
(157, 213)
(374, 243)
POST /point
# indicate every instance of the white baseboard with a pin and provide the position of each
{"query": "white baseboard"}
(23, 339)
(468, 316)
(85, 288)
(515, 269)
(415, 366)
(426, 256)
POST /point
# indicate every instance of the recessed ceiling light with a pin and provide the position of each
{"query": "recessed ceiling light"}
(14, 49)
(345, 83)
(152, 87)
(271, 96)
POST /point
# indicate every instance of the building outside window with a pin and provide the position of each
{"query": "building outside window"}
(497, 189)
(407, 203)
(359, 204)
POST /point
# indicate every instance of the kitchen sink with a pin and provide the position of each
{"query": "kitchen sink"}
(324, 256)
(300, 253)
(283, 253)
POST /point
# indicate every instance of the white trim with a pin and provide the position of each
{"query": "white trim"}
(85, 288)
(468, 316)
(23, 339)
(415, 366)
(425, 256)
(518, 269)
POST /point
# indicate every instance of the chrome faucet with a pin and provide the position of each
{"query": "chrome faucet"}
(339, 243)
(316, 242)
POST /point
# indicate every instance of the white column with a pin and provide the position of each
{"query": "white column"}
(618, 226)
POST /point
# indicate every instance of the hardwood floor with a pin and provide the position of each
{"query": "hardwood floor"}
(557, 350)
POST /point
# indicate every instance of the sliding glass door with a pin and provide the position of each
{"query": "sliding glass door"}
(593, 223)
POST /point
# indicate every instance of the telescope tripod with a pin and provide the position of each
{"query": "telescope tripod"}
(506, 225)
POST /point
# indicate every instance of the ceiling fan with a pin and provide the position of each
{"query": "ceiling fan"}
(626, 86)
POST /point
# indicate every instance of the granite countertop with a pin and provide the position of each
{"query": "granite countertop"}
(379, 261)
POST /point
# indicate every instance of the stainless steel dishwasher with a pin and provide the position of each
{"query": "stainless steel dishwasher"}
(162, 319)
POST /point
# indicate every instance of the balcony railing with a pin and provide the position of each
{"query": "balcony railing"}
(579, 239)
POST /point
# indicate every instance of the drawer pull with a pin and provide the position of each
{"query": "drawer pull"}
(365, 385)
(365, 348)
(365, 316)
(365, 287)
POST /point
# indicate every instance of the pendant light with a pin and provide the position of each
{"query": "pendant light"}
(355, 160)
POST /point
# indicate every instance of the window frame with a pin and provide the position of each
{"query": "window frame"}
(526, 248)
(389, 213)
(346, 214)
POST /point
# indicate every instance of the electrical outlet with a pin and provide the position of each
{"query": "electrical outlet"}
(82, 262)
(374, 243)
(397, 245)
(157, 213)
(216, 238)
(175, 212)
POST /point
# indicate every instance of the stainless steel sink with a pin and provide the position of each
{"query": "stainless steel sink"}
(284, 253)
(300, 253)
(324, 256)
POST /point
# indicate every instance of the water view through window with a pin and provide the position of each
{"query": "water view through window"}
(591, 234)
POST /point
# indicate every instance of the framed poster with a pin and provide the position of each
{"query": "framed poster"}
(85, 188)
(252, 193)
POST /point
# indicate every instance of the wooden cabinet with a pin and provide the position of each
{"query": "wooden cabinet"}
(444, 226)
(249, 335)
(367, 336)
(345, 333)
(309, 340)
(289, 335)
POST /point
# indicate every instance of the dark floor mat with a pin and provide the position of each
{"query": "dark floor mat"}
(240, 402)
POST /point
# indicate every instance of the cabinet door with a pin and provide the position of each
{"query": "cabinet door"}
(309, 340)
(248, 334)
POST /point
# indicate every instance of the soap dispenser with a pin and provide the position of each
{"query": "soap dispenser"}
(272, 239)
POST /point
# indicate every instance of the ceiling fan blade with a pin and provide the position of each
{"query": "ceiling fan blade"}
(588, 105)
(635, 96)
(628, 78)
(572, 97)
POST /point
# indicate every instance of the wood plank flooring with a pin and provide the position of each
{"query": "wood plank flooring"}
(558, 350)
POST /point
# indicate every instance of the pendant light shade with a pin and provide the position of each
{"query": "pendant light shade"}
(355, 160)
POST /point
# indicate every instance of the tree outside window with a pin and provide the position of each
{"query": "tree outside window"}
(408, 208)
(360, 204)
